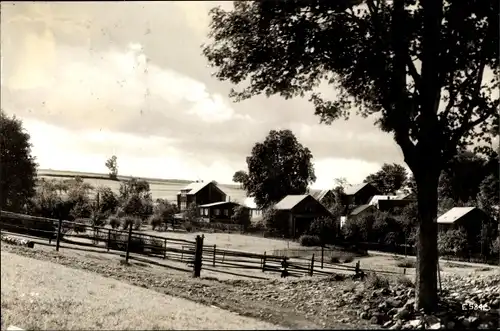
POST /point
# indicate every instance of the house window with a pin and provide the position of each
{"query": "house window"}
(205, 211)
(183, 205)
(216, 212)
(226, 212)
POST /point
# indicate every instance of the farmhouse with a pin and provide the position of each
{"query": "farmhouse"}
(359, 194)
(362, 210)
(326, 197)
(469, 218)
(218, 211)
(299, 211)
(389, 202)
(199, 193)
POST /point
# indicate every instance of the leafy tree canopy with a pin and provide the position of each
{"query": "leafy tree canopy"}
(18, 167)
(389, 179)
(279, 166)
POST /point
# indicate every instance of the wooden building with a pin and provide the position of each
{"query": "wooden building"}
(359, 194)
(326, 197)
(200, 194)
(298, 211)
(219, 212)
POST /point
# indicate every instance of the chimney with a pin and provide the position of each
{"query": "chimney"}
(229, 198)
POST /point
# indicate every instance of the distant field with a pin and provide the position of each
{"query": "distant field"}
(160, 188)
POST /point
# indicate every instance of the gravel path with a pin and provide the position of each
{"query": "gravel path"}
(43, 295)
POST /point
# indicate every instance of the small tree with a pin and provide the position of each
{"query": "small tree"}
(112, 165)
(241, 216)
(389, 179)
(191, 214)
(325, 228)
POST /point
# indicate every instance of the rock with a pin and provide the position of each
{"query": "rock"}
(364, 315)
(392, 312)
(374, 320)
(387, 324)
(393, 303)
(435, 326)
(450, 325)
(402, 314)
(396, 326)
(415, 323)
(473, 321)
(495, 303)
(431, 319)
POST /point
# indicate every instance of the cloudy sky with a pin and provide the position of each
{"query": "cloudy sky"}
(90, 80)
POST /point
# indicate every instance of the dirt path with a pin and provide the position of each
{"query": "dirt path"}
(43, 295)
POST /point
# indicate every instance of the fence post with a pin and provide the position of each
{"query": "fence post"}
(182, 253)
(312, 266)
(198, 254)
(357, 268)
(128, 243)
(322, 255)
(109, 239)
(165, 251)
(223, 256)
(215, 247)
(58, 240)
(264, 262)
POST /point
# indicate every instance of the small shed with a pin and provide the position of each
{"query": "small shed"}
(299, 211)
(469, 218)
(360, 194)
(199, 193)
(326, 197)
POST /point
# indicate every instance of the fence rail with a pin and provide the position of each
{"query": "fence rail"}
(164, 248)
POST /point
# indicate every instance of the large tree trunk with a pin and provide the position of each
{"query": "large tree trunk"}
(427, 252)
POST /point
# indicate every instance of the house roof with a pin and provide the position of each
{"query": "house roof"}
(290, 201)
(195, 187)
(220, 203)
(375, 199)
(360, 209)
(319, 194)
(455, 213)
(351, 190)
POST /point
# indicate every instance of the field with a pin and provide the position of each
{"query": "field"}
(43, 295)
(160, 188)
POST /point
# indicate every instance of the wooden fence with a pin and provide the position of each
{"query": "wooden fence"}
(194, 253)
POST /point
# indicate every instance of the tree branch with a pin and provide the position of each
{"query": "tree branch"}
(413, 71)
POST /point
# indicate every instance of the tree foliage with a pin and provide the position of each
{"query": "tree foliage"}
(241, 216)
(112, 165)
(389, 179)
(453, 242)
(277, 167)
(426, 71)
(135, 198)
(240, 176)
(18, 167)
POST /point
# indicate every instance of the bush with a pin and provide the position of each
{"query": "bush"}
(79, 226)
(114, 222)
(405, 263)
(348, 259)
(156, 221)
(334, 259)
(136, 222)
(375, 282)
(187, 226)
(495, 246)
(308, 240)
(453, 242)
(325, 228)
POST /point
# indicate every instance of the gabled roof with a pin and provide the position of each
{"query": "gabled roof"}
(351, 190)
(196, 187)
(360, 209)
(319, 194)
(290, 201)
(455, 213)
(375, 199)
(220, 203)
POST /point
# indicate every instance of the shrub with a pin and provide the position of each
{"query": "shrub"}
(453, 242)
(405, 263)
(79, 226)
(114, 222)
(405, 281)
(348, 259)
(495, 246)
(334, 259)
(325, 228)
(375, 281)
(131, 220)
(308, 240)
(156, 221)
(187, 226)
